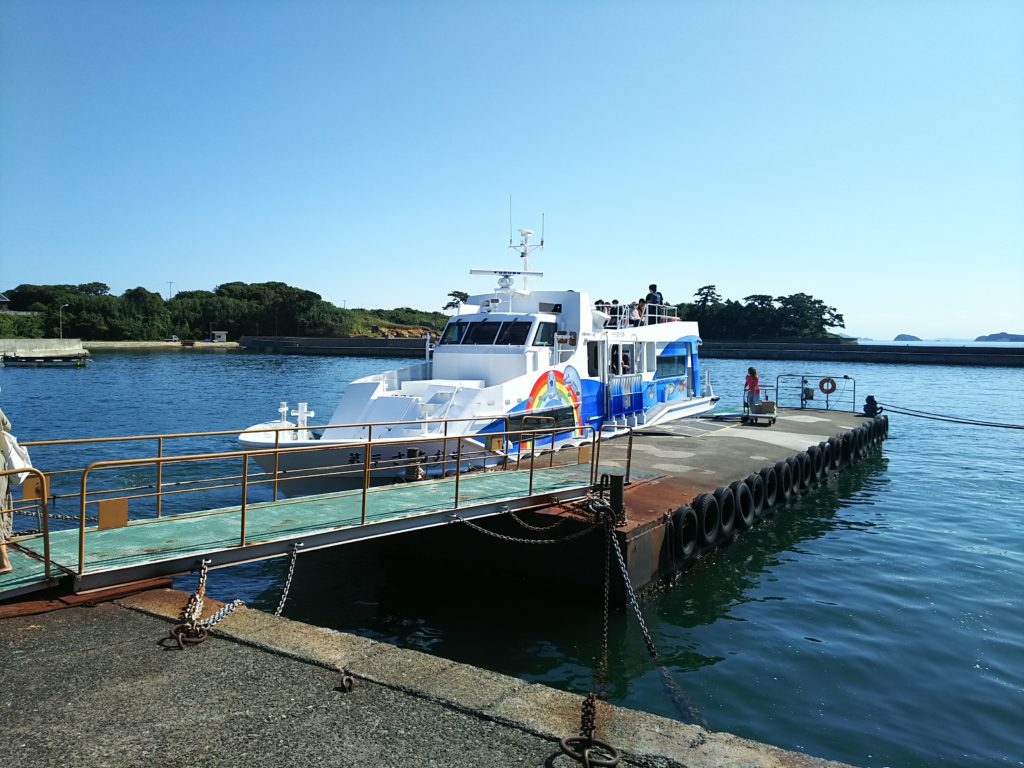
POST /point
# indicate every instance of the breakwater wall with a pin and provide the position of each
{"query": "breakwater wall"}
(39, 347)
(851, 352)
(341, 347)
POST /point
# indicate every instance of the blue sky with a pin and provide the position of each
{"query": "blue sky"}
(869, 153)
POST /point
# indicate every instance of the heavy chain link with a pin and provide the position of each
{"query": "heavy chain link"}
(585, 748)
(538, 528)
(190, 629)
(288, 581)
(686, 707)
(55, 516)
(518, 540)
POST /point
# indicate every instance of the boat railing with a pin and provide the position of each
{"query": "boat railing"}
(829, 392)
(462, 457)
(62, 481)
(33, 503)
(626, 394)
(619, 315)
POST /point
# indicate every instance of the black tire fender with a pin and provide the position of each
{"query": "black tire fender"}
(826, 458)
(688, 536)
(837, 452)
(708, 519)
(806, 470)
(784, 472)
(817, 463)
(771, 489)
(848, 453)
(726, 510)
(744, 501)
(756, 486)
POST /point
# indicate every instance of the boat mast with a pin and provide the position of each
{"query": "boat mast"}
(524, 249)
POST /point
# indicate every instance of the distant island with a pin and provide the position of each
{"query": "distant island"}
(906, 337)
(1002, 337)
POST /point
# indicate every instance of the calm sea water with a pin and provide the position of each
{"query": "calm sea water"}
(878, 621)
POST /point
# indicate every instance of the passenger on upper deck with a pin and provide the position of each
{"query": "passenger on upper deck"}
(617, 313)
(639, 316)
(654, 300)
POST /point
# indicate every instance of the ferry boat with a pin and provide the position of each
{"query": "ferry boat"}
(511, 359)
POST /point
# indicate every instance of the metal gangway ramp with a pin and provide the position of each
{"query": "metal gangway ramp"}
(107, 544)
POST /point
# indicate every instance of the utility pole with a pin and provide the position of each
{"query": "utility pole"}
(60, 313)
(170, 289)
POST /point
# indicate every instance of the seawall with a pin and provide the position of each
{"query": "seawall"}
(341, 347)
(850, 352)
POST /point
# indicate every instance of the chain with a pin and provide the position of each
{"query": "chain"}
(586, 749)
(683, 703)
(288, 581)
(538, 528)
(190, 630)
(54, 516)
(518, 540)
(223, 613)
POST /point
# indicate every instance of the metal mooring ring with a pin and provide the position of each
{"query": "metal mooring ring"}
(181, 633)
(581, 749)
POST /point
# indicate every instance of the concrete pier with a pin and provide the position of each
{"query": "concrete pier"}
(106, 686)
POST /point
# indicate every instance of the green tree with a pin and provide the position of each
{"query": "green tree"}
(457, 297)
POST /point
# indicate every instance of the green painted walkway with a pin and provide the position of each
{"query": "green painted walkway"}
(201, 534)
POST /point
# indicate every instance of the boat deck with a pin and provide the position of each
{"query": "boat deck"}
(176, 543)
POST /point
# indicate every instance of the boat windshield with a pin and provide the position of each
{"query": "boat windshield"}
(510, 333)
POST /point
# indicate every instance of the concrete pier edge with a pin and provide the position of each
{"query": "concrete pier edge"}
(643, 739)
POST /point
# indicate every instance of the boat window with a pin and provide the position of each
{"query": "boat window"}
(593, 358)
(454, 333)
(671, 365)
(514, 334)
(545, 336)
(481, 333)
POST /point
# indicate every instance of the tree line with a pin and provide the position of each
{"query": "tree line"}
(761, 316)
(90, 311)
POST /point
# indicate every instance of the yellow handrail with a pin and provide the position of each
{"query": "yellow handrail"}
(367, 447)
(43, 512)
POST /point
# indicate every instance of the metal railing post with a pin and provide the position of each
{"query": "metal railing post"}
(83, 503)
(159, 477)
(444, 450)
(46, 524)
(533, 461)
(366, 470)
(277, 460)
(629, 455)
(458, 469)
(245, 494)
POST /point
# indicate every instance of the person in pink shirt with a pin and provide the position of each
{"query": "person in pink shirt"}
(752, 388)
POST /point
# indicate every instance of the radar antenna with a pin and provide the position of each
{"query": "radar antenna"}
(524, 249)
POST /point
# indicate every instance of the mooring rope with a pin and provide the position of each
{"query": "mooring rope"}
(952, 419)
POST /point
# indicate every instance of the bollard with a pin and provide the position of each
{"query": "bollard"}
(414, 469)
(616, 495)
